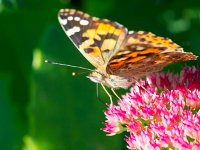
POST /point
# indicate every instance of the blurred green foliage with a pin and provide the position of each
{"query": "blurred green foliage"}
(43, 107)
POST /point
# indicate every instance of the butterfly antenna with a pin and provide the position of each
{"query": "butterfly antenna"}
(79, 73)
(66, 65)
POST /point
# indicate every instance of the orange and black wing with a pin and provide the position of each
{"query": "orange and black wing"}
(95, 38)
(143, 53)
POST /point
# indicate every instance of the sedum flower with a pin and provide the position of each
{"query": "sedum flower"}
(161, 112)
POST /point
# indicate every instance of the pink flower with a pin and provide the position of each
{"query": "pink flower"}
(160, 112)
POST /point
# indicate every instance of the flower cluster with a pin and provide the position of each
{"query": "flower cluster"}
(160, 112)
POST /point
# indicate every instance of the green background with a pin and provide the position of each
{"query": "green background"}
(43, 107)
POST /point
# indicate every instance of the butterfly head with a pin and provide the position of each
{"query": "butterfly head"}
(109, 80)
(96, 76)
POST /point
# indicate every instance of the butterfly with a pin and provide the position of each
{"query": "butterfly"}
(120, 56)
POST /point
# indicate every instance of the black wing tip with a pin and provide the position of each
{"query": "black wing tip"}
(66, 10)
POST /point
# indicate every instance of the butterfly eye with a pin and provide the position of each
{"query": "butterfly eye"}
(96, 77)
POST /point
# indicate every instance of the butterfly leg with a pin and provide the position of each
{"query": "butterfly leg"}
(115, 93)
(107, 93)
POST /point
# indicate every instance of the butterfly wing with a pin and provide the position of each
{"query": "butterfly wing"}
(95, 38)
(143, 53)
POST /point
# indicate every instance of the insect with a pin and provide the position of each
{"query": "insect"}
(120, 56)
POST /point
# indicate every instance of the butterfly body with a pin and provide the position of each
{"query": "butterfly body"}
(120, 56)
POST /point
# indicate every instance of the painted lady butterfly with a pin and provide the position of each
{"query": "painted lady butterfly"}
(120, 56)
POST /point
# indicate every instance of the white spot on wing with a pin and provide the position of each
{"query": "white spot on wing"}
(70, 18)
(76, 29)
(77, 18)
(123, 52)
(62, 10)
(73, 30)
(84, 22)
(140, 32)
(62, 21)
(139, 48)
(130, 32)
(95, 18)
